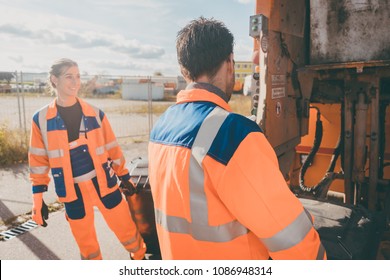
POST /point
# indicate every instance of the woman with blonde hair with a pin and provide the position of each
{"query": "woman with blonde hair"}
(74, 141)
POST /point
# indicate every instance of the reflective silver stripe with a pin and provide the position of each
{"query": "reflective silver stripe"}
(308, 215)
(39, 169)
(118, 161)
(83, 129)
(100, 150)
(82, 126)
(221, 233)
(131, 240)
(321, 253)
(199, 228)
(321, 249)
(111, 145)
(137, 239)
(206, 134)
(85, 177)
(37, 151)
(56, 153)
(43, 125)
(91, 256)
(289, 236)
(135, 249)
(97, 112)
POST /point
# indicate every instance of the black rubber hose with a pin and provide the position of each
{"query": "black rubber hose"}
(335, 155)
(317, 190)
(311, 155)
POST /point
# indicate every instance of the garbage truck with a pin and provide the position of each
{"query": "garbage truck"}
(322, 92)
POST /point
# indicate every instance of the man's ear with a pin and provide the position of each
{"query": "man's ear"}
(185, 75)
(231, 62)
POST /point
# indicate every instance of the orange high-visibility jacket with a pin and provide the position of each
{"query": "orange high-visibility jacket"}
(49, 150)
(217, 189)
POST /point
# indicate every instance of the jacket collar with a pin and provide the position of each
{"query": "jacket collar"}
(203, 92)
(87, 110)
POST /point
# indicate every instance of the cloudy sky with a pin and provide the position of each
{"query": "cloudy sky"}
(118, 37)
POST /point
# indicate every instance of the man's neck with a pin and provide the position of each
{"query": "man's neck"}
(209, 87)
(215, 81)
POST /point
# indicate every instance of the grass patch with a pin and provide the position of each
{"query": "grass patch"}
(241, 104)
(13, 146)
(157, 108)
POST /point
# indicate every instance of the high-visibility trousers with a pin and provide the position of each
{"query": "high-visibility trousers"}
(114, 208)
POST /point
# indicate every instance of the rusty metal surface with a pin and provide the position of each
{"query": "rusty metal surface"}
(359, 66)
(348, 122)
(349, 30)
(374, 145)
(288, 17)
(282, 122)
(359, 139)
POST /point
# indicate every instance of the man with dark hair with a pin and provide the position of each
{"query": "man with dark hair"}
(195, 52)
(216, 185)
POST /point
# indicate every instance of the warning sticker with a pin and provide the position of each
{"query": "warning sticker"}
(278, 92)
(278, 80)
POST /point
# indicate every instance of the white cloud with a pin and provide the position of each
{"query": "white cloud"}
(133, 37)
(149, 4)
(77, 40)
(17, 59)
(245, 1)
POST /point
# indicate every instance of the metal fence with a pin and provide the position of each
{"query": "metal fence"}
(132, 104)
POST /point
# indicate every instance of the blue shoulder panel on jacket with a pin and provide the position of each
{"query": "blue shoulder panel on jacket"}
(101, 115)
(36, 119)
(91, 123)
(234, 129)
(179, 125)
(55, 123)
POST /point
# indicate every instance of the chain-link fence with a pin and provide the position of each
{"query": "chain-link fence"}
(132, 104)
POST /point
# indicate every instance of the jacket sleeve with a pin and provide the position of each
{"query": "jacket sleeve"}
(114, 150)
(38, 159)
(255, 192)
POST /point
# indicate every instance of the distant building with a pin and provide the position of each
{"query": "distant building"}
(242, 69)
